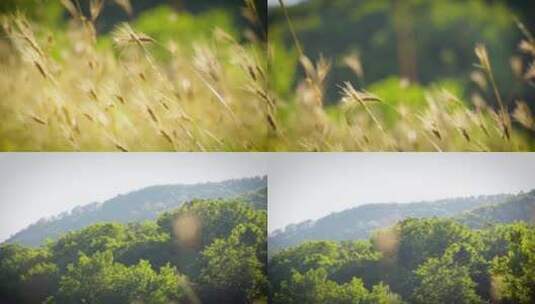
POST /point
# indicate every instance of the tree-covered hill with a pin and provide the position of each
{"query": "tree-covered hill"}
(258, 198)
(359, 222)
(517, 208)
(415, 261)
(206, 251)
(143, 204)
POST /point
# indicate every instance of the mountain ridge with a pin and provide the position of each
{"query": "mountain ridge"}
(360, 221)
(137, 205)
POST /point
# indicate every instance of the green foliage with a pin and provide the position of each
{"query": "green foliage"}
(165, 25)
(446, 279)
(283, 67)
(99, 237)
(394, 93)
(417, 240)
(314, 287)
(217, 217)
(207, 221)
(23, 269)
(233, 265)
(98, 279)
(514, 271)
(425, 238)
(341, 261)
(46, 11)
(145, 241)
(419, 260)
(398, 95)
(149, 262)
(337, 258)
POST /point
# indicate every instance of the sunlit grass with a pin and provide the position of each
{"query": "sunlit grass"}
(202, 97)
(128, 91)
(410, 118)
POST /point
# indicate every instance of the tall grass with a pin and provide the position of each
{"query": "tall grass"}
(444, 122)
(218, 98)
(90, 97)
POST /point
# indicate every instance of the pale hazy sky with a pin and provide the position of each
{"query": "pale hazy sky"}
(36, 185)
(310, 186)
(301, 185)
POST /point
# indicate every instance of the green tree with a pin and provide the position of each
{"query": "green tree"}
(216, 218)
(423, 260)
(200, 222)
(514, 272)
(98, 279)
(95, 238)
(421, 239)
(447, 279)
(416, 241)
(23, 269)
(233, 268)
(342, 260)
(118, 263)
(314, 287)
(145, 241)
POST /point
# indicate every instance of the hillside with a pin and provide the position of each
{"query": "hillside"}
(140, 205)
(205, 251)
(258, 198)
(357, 223)
(518, 208)
(420, 261)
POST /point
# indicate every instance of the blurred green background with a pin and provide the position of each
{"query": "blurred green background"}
(215, 12)
(427, 42)
(430, 42)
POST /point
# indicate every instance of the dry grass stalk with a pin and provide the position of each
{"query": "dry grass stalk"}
(118, 102)
(523, 115)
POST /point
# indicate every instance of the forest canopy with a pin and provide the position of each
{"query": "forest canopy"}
(206, 251)
(415, 261)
